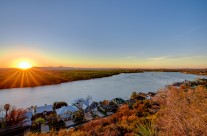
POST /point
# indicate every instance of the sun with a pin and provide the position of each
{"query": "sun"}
(24, 65)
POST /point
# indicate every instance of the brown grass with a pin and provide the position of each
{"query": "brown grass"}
(183, 112)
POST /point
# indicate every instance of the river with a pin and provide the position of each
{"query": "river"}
(121, 85)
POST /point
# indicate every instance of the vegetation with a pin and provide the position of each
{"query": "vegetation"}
(13, 116)
(173, 111)
(147, 129)
(79, 116)
(16, 78)
(40, 121)
(183, 111)
(58, 105)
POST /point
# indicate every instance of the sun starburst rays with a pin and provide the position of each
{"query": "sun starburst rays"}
(21, 78)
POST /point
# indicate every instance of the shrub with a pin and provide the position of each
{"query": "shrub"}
(146, 129)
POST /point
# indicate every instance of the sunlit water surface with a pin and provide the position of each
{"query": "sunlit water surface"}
(103, 88)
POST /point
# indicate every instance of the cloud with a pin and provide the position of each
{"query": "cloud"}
(131, 57)
(161, 58)
(168, 58)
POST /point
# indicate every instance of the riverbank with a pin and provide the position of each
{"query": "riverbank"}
(16, 78)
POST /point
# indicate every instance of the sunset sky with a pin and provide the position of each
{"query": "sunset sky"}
(107, 33)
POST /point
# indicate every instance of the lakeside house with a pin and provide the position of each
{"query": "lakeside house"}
(43, 111)
(66, 113)
(92, 107)
(83, 104)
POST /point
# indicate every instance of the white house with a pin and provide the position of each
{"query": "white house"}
(67, 112)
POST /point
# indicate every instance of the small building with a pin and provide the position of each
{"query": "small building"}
(43, 111)
(148, 97)
(67, 112)
(92, 107)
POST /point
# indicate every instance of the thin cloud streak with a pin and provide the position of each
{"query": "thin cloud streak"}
(165, 58)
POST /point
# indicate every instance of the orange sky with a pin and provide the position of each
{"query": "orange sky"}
(12, 57)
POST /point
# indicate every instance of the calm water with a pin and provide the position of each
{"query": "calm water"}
(103, 88)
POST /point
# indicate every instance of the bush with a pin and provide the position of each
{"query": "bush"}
(146, 129)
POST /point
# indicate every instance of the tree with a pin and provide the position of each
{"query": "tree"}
(40, 121)
(37, 123)
(6, 107)
(16, 117)
(105, 102)
(79, 116)
(58, 105)
(134, 95)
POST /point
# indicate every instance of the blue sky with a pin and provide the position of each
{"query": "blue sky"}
(118, 33)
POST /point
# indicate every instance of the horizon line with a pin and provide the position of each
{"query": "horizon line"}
(69, 67)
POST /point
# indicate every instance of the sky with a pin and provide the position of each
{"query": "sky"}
(104, 34)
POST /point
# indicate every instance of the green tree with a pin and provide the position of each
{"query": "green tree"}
(40, 121)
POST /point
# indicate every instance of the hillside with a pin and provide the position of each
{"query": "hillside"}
(173, 111)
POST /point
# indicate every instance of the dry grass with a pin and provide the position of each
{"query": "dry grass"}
(183, 112)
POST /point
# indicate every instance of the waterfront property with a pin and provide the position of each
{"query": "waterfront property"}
(83, 103)
(92, 107)
(67, 113)
(43, 111)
